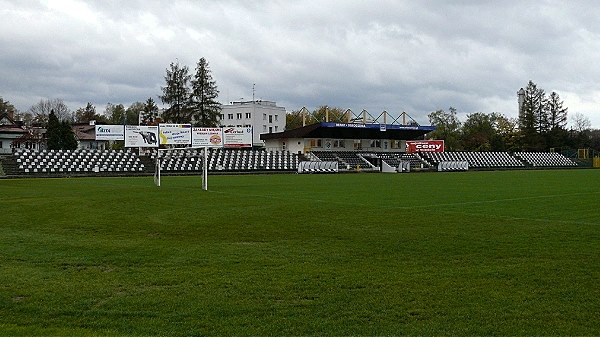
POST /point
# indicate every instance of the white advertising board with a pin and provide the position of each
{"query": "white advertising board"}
(237, 137)
(110, 132)
(207, 137)
(141, 136)
(175, 134)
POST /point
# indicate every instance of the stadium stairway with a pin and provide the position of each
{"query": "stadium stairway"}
(149, 164)
(9, 166)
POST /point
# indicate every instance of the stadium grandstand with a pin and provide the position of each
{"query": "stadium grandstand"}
(324, 147)
(189, 161)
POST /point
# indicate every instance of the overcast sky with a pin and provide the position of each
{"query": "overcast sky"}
(413, 56)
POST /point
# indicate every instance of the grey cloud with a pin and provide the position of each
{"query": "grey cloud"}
(395, 55)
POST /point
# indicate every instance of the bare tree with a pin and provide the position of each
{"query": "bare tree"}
(581, 122)
(42, 109)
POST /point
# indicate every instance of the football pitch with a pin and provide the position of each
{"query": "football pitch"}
(465, 253)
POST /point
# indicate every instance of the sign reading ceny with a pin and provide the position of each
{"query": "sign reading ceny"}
(424, 146)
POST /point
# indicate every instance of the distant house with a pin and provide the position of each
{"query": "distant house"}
(86, 137)
(9, 132)
(14, 136)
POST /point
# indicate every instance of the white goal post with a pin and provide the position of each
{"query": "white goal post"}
(187, 152)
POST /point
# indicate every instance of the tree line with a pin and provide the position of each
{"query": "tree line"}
(540, 126)
(189, 98)
(192, 98)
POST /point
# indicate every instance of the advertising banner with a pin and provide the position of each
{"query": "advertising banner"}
(141, 136)
(207, 137)
(175, 134)
(237, 137)
(110, 132)
(424, 146)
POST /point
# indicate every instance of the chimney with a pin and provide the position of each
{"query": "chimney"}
(521, 95)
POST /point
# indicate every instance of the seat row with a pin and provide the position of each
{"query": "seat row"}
(64, 161)
(227, 160)
(545, 159)
(475, 159)
(351, 160)
(348, 159)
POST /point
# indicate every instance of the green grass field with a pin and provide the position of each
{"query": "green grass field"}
(469, 253)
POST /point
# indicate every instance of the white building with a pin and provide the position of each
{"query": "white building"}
(262, 116)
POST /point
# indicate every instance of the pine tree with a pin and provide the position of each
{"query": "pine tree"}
(557, 114)
(557, 134)
(67, 136)
(176, 94)
(206, 110)
(59, 135)
(149, 112)
(53, 132)
(533, 117)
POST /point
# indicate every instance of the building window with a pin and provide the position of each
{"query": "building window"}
(339, 143)
(222, 116)
(248, 115)
(316, 143)
(270, 118)
(238, 115)
(264, 117)
(270, 129)
(276, 118)
(376, 143)
(275, 128)
(264, 128)
(230, 116)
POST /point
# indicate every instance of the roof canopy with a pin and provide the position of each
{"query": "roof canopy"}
(353, 131)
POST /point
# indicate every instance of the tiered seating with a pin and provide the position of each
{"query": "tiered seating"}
(475, 159)
(65, 161)
(390, 158)
(352, 159)
(545, 159)
(180, 160)
(326, 155)
(228, 160)
(395, 158)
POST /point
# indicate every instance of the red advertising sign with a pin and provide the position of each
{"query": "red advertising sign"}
(424, 146)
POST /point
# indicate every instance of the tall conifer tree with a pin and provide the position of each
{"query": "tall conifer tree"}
(557, 114)
(176, 94)
(533, 118)
(205, 108)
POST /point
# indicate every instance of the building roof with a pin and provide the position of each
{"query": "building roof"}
(8, 125)
(84, 131)
(353, 131)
